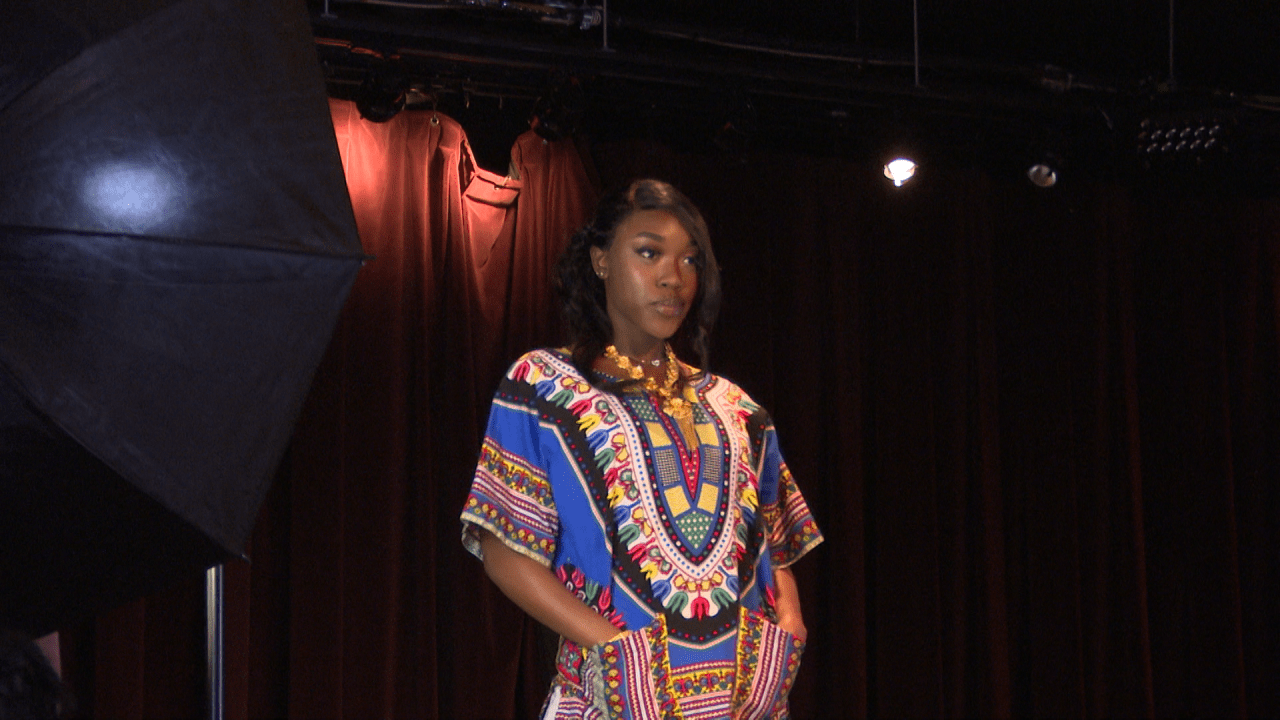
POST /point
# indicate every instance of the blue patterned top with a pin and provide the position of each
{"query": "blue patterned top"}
(652, 533)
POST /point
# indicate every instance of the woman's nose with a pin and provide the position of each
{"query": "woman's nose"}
(670, 275)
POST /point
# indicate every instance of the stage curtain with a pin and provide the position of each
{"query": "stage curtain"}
(1038, 428)
(388, 616)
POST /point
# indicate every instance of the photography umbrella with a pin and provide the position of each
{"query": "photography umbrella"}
(176, 242)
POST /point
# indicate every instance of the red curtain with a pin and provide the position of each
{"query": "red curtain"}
(383, 607)
(1039, 429)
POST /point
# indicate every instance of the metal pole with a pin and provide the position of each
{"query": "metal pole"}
(915, 36)
(213, 601)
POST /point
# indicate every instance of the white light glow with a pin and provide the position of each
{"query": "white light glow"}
(900, 170)
(133, 193)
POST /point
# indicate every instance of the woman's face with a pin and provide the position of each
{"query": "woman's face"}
(650, 274)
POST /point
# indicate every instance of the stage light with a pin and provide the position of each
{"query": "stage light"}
(1173, 138)
(382, 94)
(1042, 175)
(900, 170)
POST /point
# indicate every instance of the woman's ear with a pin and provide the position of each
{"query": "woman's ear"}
(599, 262)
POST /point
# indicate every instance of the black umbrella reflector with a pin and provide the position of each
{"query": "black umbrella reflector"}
(39, 35)
(176, 242)
(73, 529)
(204, 123)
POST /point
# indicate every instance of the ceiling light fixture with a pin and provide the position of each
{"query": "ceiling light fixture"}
(382, 93)
(1184, 138)
(1042, 175)
(900, 170)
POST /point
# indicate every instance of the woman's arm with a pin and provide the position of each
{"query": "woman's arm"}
(788, 603)
(537, 591)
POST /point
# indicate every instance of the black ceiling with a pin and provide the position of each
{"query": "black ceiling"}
(833, 76)
(1229, 45)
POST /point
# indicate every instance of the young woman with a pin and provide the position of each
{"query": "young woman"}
(635, 504)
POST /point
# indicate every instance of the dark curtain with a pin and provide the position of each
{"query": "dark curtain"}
(1039, 430)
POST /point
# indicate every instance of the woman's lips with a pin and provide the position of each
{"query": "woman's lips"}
(670, 308)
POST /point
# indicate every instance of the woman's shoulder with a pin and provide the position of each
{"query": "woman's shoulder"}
(705, 379)
(728, 392)
(541, 364)
(546, 353)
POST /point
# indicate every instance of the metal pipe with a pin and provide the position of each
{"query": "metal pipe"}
(915, 35)
(213, 607)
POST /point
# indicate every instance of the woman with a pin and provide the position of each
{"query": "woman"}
(637, 505)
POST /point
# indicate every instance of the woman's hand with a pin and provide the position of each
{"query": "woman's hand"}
(536, 590)
(788, 604)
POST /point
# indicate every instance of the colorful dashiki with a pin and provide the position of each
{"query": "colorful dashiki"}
(661, 539)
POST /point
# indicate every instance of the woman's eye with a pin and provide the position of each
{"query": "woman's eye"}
(646, 253)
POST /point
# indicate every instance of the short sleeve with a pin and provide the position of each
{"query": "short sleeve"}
(790, 528)
(510, 495)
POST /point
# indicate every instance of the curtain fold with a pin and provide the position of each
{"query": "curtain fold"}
(391, 616)
(1039, 430)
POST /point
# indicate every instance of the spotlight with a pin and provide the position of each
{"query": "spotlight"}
(900, 170)
(1187, 138)
(382, 94)
(1042, 175)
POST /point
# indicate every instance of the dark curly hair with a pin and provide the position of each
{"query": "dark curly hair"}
(583, 293)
